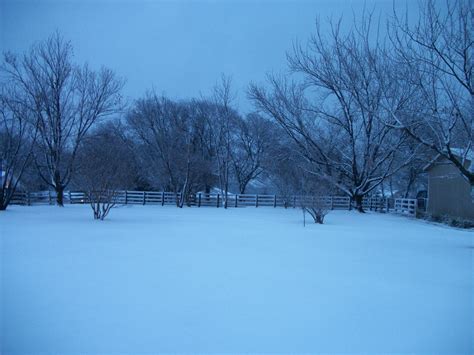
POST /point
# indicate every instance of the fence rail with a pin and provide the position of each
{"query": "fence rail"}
(201, 199)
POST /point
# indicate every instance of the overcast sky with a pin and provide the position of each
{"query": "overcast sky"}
(177, 47)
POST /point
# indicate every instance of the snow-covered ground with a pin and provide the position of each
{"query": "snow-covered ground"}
(161, 279)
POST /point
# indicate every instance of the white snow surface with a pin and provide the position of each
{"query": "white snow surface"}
(163, 279)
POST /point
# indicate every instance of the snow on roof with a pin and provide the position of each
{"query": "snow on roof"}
(459, 152)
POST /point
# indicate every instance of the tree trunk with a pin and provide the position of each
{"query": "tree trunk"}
(243, 186)
(3, 202)
(59, 195)
(226, 192)
(411, 181)
(358, 200)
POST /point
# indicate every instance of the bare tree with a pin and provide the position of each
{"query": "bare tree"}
(152, 120)
(336, 115)
(175, 140)
(17, 137)
(410, 180)
(66, 101)
(283, 166)
(223, 98)
(437, 57)
(251, 144)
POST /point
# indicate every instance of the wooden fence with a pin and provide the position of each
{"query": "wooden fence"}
(406, 206)
(403, 206)
(33, 198)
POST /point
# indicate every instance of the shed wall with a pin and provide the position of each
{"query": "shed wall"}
(448, 192)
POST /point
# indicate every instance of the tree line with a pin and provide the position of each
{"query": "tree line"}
(358, 113)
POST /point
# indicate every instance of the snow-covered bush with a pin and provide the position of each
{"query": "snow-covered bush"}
(450, 220)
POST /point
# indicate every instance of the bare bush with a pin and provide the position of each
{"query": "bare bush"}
(317, 209)
(105, 168)
(102, 202)
(315, 199)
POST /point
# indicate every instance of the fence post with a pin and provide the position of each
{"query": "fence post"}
(387, 206)
(162, 198)
(217, 200)
(49, 197)
(69, 194)
(332, 203)
(236, 198)
(199, 200)
(274, 201)
(256, 200)
(144, 197)
(28, 199)
(126, 197)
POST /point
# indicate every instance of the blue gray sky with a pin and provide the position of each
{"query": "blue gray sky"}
(179, 48)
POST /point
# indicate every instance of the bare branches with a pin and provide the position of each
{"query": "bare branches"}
(65, 99)
(253, 137)
(223, 98)
(105, 167)
(17, 137)
(341, 129)
(178, 138)
(438, 56)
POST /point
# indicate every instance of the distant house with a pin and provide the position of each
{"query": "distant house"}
(449, 193)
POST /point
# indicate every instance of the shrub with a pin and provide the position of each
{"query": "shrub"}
(317, 208)
(450, 221)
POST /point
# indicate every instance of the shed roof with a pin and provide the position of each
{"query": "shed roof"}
(459, 152)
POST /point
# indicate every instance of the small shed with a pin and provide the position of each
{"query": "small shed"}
(449, 193)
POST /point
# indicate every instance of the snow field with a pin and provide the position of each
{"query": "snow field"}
(162, 279)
